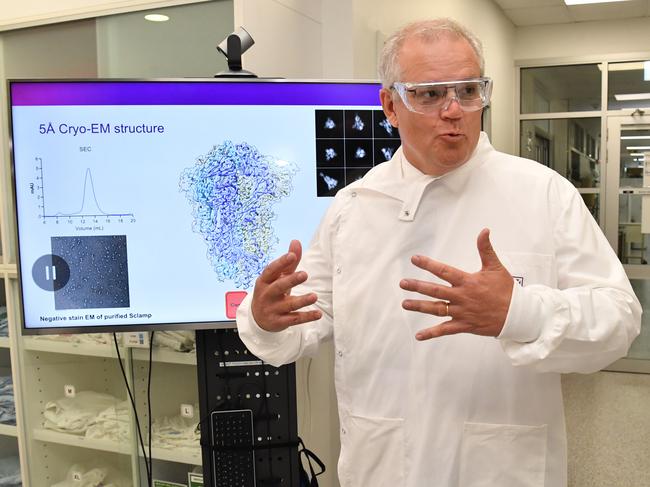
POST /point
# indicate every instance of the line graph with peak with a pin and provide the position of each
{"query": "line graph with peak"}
(86, 206)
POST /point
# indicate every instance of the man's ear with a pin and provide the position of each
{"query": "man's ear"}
(387, 103)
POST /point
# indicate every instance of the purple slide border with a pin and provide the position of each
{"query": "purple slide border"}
(67, 93)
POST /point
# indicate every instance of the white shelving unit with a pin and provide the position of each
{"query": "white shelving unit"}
(8, 430)
(50, 436)
(41, 368)
(47, 366)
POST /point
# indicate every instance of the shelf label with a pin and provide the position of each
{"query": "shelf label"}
(69, 390)
(164, 483)
(194, 479)
(137, 339)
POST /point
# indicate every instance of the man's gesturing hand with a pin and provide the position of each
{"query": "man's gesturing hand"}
(476, 302)
(273, 307)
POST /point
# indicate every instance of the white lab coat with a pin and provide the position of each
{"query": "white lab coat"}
(462, 410)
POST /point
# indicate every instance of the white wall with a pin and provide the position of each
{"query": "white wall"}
(58, 51)
(337, 37)
(287, 36)
(589, 39)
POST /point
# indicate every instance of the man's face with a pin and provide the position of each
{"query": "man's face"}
(437, 142)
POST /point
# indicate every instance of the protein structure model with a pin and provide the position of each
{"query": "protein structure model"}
(233, 190)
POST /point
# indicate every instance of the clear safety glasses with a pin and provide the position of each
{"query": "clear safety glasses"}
(425, 98)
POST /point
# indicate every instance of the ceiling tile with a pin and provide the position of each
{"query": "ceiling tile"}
(539, 15)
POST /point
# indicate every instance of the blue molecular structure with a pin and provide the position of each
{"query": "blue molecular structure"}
(232, 190)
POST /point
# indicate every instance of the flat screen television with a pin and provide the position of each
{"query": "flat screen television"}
(155, 204)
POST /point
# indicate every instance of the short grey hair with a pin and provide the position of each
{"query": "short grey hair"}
(428, 30)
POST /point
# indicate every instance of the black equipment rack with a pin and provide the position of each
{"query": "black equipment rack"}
(249, 428)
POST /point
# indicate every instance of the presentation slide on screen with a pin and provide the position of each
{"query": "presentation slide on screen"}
(167, 214)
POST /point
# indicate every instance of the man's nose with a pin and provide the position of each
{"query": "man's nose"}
(450, 109)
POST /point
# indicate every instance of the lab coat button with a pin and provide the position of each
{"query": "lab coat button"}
(339, 353)
(354, 194)
(338, 269)
(342, 431)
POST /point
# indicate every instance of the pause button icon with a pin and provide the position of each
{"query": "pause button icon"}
(50, 272)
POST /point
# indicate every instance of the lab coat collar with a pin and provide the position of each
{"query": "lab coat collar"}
(399, 179)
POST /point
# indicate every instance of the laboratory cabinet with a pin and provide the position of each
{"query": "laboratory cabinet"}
(78, 418)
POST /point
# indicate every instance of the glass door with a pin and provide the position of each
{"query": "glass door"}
(627, 217)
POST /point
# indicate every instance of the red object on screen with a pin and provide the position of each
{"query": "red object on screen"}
(233, 300)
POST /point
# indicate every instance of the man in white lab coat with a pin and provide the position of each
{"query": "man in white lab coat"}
(457, 283)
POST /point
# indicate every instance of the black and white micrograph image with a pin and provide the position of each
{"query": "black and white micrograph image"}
(358, 153)
(385, 149)
(330, 153)
(329, 181)
(329, 124)
(348, 144)
(352, 175)
(99, 274)
(383, 128)
(358, 124)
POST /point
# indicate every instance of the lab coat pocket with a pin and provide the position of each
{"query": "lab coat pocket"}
(503, 455)
(530, 268)
(373, 452)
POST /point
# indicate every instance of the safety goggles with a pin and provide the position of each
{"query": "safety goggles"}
(425, 98)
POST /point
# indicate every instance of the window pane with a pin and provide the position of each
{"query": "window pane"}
(560, 89)
(570, 146)
(633, 244)
(628, 85)
(635, 147)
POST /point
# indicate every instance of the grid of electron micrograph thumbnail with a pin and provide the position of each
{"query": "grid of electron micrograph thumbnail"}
(348, 144)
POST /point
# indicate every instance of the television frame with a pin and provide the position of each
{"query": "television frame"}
(110, 327)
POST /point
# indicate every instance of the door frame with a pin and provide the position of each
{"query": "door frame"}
(615, 124)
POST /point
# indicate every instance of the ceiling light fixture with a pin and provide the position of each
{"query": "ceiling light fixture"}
(638, 147)
(632, 96)
(634, 137)
(631, 66)
(637, 154)
(585, 2)
(156, 17)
